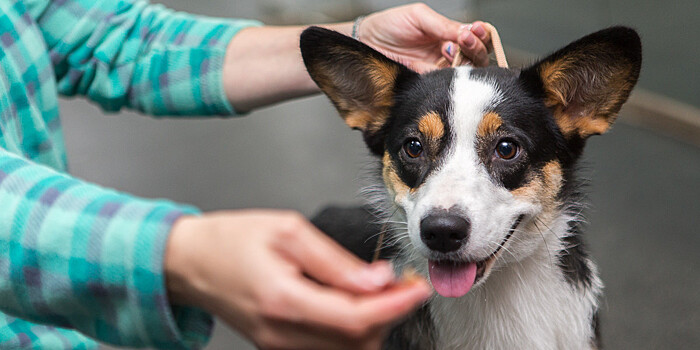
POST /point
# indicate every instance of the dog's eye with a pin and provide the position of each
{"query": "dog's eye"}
(413, 148)
(507, 149)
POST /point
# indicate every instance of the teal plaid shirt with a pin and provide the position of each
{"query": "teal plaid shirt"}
(78, 261)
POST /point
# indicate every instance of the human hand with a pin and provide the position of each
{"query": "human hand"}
(283, 284)
(418, 37)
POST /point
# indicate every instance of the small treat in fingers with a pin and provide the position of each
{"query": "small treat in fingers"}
(410, 276)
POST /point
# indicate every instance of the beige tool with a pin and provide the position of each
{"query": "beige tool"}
(496, 46)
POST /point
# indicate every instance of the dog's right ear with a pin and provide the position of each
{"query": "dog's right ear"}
(359, 80)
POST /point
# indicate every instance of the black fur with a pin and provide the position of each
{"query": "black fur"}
(572, 261)
(413, 101)
(597, 340)
(415, 333)
(355, 228)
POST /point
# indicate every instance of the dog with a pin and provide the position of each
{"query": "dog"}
(477, 171)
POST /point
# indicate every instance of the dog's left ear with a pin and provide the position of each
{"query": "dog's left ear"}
(586, 82)
(360, 81)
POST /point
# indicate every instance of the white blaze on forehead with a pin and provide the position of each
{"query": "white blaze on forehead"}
(471, 99)
(462, 180)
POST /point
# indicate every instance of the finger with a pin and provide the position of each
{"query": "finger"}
(479, 29)
(324, 260)
(473, 49)
(448, 51)
(318, 305)
(286, 335)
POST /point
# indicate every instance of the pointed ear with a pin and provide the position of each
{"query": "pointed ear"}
(586, 82)
(360, 81)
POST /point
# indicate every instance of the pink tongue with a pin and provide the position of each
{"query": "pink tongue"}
(451, 280)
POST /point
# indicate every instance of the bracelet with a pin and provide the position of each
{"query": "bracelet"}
(356, 28)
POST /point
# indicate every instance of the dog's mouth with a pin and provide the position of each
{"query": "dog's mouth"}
(453, 279)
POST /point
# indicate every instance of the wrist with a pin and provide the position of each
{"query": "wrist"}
(356, 27)
(182, 279)
(344, 28)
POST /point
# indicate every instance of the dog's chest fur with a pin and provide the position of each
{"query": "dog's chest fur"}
(528, 305)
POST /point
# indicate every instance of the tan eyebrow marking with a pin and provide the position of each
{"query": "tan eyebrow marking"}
(489, 124)
(431, 125)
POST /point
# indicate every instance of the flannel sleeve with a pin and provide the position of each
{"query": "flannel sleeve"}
(78, 256)
(128, 53)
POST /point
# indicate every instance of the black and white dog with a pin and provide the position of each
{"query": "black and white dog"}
(478, 173)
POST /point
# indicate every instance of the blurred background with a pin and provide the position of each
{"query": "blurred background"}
(644, 175)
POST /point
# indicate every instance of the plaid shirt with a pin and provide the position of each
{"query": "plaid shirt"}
(75, 256)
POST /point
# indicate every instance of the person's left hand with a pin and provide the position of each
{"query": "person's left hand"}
(418, 37)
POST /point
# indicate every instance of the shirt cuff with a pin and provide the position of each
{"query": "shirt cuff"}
(214, 72)
(165, 326)
(206, 95)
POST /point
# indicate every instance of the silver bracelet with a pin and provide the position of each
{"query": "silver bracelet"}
(356, 28)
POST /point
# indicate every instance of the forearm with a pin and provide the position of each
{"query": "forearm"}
(132, 54)
(83, 257)
(263, 66)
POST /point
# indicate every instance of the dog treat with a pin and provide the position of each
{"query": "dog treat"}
(409, 276)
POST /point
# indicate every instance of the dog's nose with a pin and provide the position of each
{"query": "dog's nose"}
(444, 232)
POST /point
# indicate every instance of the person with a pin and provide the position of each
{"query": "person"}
(80, 263)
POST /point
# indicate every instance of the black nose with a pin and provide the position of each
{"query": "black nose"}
(444, 232)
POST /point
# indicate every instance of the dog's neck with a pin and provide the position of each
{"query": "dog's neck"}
(502, 312)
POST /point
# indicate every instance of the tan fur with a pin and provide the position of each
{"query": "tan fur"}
(358, 119)
(431, 126)
(595, 113)
(583, 125)
(489, 124)
(369, 109)
(397, 188)
(383, 78)
(543, 188)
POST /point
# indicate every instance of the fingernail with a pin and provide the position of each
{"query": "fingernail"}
(380, 274)
(450, 50)
(479, 31)
(470, 40)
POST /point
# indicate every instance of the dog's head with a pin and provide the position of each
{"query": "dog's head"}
(471, 154)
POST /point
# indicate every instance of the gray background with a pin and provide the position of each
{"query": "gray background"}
(644, 188)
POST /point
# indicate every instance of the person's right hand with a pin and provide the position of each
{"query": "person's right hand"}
(283, 284)
(419, 37)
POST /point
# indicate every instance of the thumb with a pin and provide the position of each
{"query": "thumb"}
(324, 260)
